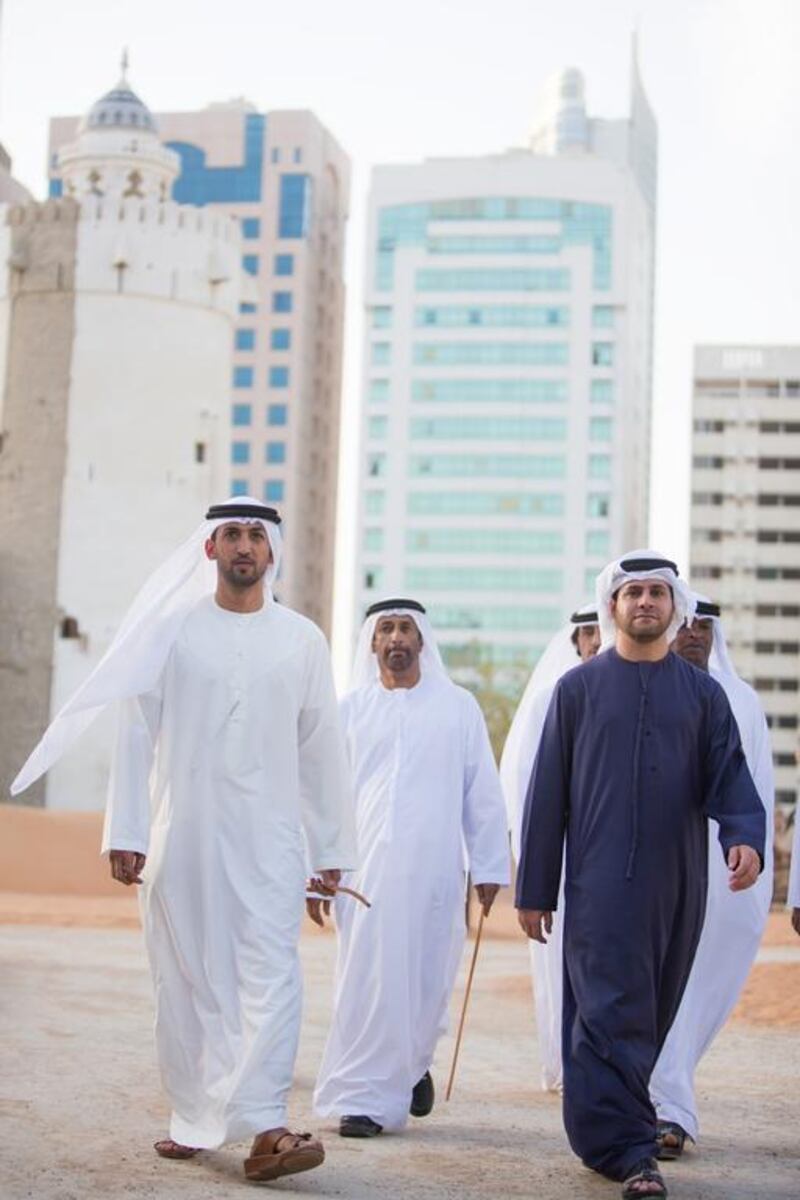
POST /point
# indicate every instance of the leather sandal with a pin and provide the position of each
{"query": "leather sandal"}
(645, 1171)
(280, 1152)
(169, 1149)
(670, 1140)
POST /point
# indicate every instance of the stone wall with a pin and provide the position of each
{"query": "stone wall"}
(35, 380)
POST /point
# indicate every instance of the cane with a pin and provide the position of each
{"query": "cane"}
(464, 1006)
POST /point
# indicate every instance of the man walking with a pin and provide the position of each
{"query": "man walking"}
(428, 805)
(734, 921)
(227, 699)
(578, 640)
(638, 749)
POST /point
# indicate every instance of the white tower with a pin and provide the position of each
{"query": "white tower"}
(116, 430)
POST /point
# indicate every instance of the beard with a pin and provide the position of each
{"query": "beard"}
(646, 631)
(242, 575)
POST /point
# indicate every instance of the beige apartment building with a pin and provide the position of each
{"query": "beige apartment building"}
(745, 548)
(286, 179)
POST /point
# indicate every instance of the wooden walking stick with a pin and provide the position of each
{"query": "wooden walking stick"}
(464, 1006)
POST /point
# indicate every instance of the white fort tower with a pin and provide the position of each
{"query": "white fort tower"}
(116, 312)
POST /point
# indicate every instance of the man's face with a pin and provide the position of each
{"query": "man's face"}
(242, 553)
(693, 642)
(643, 609)
(397, 642)
(588, 641)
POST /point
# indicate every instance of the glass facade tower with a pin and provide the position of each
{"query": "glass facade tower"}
(507, 365)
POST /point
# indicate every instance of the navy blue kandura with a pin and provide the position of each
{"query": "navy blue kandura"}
(633, 759)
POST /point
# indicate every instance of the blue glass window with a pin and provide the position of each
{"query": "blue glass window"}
(280, 339)
(275, 452)
(381, 316)
(375, 503)
(602, 354)
(598, 504)
(200, 184)
(506, 429)
(497, 466)
(282, 302)
(284, 264)
(603, 316)
(251, 228)
(238, 487)
(56, 188)
(246, 307)
(275, 155)
(278, 377)
(489, 391)
(297, 156)
(378, 427)
(492, 279)
(472, 503)
(492, 579)
(242, 414)
(509, 617)
(600, 429)
(240, 452)
(250, 263)
(491, 353)
(381, 354)
(485, 541)
(373, 539)
(294, 215)
(496, 316)
(378, 390)
(602, 391)
(242, 377)
(277, 414)
(245, 339)
(274, 490)
(598, 542)
(599, 466)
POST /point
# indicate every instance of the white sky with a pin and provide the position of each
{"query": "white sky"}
(415, 78)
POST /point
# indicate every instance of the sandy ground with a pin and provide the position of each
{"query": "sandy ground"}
(80, 1098)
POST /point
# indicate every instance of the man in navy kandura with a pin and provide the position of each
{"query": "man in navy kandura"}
(638, 750)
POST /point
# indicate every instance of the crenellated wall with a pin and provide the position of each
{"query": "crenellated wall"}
(135, 450)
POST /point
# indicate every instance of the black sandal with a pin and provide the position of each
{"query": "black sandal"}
(668, 1151)
(645, 1171)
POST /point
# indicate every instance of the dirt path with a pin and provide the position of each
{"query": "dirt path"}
(80, 1099)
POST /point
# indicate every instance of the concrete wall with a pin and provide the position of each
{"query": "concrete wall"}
(35, 375)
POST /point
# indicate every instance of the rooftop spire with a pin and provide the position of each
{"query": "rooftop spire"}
(124, 64)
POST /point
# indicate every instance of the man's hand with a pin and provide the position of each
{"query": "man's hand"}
(486, 894)
(796, 920)
(126, 866)
(745, 867)
(531, 921)
(324, 882)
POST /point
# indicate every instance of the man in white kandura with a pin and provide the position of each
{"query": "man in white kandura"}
(734, 921)
(227, 698)
(428, 806)
(577, 641)
(793, 898)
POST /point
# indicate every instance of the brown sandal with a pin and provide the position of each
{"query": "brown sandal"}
(169, 1149)
(301, 1152)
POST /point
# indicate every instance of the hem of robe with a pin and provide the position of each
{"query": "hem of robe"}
(210, 1135)
(391, 1117)
(622, 1164)
(688, 1121)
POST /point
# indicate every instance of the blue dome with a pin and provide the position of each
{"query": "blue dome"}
(120, 108)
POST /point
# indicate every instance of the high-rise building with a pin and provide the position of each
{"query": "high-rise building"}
(507, 378)
(285, 178)
(116, 315)
(745, 548)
